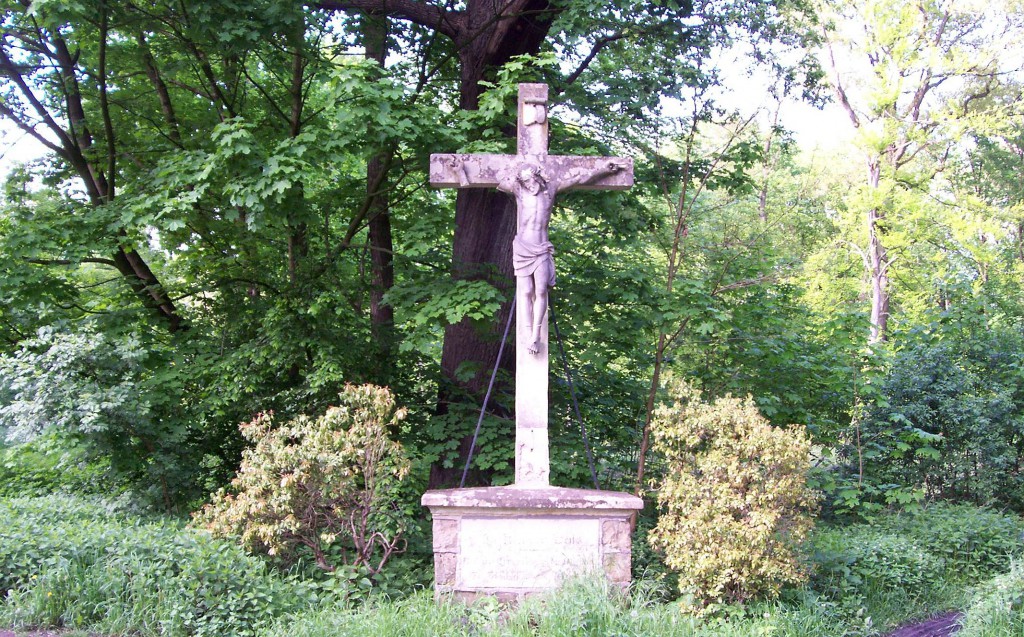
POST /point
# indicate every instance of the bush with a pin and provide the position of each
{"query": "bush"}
(328, 485)
(854, 562)
(735, 500)
(50, 464)
(923, 559)
(117, 397)
(67, 561)
(973, 544)
(949, 418)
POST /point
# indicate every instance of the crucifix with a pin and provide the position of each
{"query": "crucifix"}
(534, 178)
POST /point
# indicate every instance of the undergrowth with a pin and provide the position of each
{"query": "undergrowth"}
(74, 562)
(905, 566)
(998, 610)
(81, 563)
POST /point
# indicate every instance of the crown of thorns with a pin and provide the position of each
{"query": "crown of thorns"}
(530, 171)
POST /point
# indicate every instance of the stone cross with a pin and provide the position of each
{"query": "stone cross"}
(534, 178)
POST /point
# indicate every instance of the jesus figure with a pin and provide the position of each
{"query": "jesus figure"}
(532, 251)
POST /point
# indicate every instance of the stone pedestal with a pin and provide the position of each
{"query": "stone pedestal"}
(515, 541)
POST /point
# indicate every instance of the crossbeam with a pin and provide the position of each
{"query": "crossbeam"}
(485, 171)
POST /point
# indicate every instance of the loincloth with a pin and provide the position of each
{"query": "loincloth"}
(527, 257)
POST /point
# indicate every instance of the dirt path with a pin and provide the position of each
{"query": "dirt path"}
(941, 626)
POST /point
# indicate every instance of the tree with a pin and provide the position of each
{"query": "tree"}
(271, 175)
(948, 423)
(235, 183)
(921, 72)
(731, 314)
(485, 35)
(50, 96)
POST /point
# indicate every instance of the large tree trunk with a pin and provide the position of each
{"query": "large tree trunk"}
(485, 220)
(484, 229)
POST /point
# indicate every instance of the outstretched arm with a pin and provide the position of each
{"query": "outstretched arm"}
(582, 178)
(508, 181)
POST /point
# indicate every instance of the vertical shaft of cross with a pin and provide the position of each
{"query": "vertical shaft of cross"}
(532, 123)
(534, 178)
(532, 458)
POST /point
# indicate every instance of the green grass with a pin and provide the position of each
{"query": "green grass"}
(998, 608)
(73, 562)
(78, 563)
(583, 608)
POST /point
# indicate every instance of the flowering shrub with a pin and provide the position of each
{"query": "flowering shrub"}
(327, 484)
(734, 498)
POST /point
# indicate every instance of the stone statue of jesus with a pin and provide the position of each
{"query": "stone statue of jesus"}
(532, 251)
(534, 178)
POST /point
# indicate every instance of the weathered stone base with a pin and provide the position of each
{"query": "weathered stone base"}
(515, 541)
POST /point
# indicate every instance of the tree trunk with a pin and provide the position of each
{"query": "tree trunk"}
(382, 268)
(298, 240)
(1020, 241)
(767, 168)
(878, 263)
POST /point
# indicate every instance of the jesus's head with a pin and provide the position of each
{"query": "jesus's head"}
(531, 178)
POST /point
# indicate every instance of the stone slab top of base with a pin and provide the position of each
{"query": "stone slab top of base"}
(532, 497)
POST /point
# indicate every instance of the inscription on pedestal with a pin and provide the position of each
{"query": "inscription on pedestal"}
(531, 553)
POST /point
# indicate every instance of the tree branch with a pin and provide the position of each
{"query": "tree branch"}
(211, 78)
(600, 44)
(108, 125)
(746, 283)
(166, 105)
(99, 260)
(266, 95)
(72, 93)
(840, 91)
(12, 73)
(24, 126)
(860, 251)
(450, 23)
